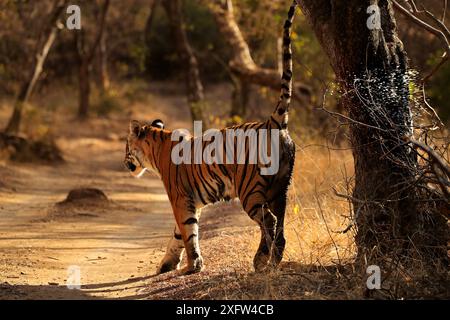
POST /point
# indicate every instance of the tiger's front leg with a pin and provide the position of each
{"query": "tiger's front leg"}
(174, 253)
(188, 223)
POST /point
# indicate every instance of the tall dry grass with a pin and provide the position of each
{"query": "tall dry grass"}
(317, 263)
(315, 216)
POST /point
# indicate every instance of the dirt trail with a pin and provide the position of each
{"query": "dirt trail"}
(117, 249)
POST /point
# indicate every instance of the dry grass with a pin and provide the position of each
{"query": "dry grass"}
(318, 257)
(315, 216)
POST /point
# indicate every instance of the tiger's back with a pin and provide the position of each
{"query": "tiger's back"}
(197, 171)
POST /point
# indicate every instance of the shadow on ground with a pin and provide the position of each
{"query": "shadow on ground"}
(291, 281)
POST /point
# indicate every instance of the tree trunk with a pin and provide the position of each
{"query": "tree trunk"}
(149, 22)
(104, 82)
(371, 67)
(240, 97)
(84, 89)
(187, 57)
(43, 46)
(85, 58)
(242, 62)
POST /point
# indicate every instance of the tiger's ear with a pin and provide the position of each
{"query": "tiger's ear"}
(158, 124)
(135, 127)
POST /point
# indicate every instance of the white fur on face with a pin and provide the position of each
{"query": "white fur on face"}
(139, 174)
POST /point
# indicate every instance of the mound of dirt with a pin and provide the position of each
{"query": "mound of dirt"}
(21, 149)
(82, 202)
(85, 196)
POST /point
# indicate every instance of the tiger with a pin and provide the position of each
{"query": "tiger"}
(191, 186)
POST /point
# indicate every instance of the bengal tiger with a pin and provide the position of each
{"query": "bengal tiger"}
(193, 186)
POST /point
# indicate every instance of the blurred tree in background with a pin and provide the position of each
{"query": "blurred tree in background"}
(137, 44)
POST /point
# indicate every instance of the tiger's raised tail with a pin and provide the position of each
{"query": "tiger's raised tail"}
(280, 115)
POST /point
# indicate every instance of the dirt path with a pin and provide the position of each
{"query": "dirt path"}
(117, 248)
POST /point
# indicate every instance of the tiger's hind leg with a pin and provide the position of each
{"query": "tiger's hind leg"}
(278, 207)
(174, 253)
(278, 196)
(267, 221)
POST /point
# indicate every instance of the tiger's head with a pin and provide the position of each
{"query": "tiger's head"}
(136, 160)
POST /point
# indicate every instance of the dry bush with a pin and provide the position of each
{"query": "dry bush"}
(21, 149)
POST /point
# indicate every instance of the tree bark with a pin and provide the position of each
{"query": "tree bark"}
(148, 24)
(240, 97)
(371, 68)
(242, 62)
(104, 82)
(85, 58)
(84, 88)
(187, 57)
(43, 46)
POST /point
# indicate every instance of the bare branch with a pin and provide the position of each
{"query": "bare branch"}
(242, 62)
(441, 31)
(438, 33)
(100, 30)
(441, 162)
(444, 59)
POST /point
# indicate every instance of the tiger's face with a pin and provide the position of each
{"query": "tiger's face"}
(135, 159)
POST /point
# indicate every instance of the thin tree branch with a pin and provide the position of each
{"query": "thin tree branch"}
(242, 62)
(438, 33)
(442, 33)
(100, 31)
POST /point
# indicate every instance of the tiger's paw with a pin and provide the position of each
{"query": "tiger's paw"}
(195, 267)
(262, 268)
(166, 266)
(260, 263)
